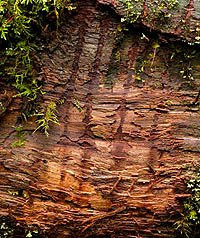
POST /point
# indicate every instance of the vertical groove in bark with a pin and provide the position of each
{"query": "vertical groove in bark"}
(113, 167)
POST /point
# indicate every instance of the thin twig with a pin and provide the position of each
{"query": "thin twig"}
(100, 217)
(9, 20)
(115, 185)
(131, 187)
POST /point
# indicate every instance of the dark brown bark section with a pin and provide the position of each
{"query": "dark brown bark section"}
(114, 167)
(182, 20)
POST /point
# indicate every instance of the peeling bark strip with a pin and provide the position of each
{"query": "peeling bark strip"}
(114, 167)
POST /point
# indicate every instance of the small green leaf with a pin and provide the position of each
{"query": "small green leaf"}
(29, 235)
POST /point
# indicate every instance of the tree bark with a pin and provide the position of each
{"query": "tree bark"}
(129, 127)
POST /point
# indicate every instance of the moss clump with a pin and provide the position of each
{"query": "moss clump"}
(189, 225)
(20, 137)
(158, 10)
(46, 116)
(22, 22)
(133, 10)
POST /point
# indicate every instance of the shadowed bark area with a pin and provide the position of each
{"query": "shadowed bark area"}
(180, 18)
(129, 125)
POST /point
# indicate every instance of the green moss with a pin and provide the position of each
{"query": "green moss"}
(11, 228)
(2, 108)
(133, 10)
(46, 116)
(189, 224)
(158, 10)
(20, 137)
(21, 24)
(161, 10)
(5, 230)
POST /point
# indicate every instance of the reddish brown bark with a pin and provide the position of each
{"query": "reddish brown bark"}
(115, 166)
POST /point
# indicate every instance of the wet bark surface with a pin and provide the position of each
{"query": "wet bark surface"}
(129, 126)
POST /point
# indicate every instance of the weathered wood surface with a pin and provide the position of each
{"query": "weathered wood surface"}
(114, 167)
(181, 20)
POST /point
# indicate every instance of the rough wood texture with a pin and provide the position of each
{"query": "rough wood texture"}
(114, 167)
(181, 20)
